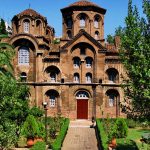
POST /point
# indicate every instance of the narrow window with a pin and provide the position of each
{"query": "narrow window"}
(111, 100)
(52, 101)
(53, 77)
(69, 23)
(96, 35)
(23, 77)
(96, 22)
(69, 34)
(88, 78)
(76, 62)
(82, 51)
(23, 56)
(26, 25)
(82, 21)
(76, 78)
(88, 62)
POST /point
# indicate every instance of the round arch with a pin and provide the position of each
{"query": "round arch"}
(83, 45)
(112, 75)
(84, 90)
(52, 74)
(29, 38)
(52, 97)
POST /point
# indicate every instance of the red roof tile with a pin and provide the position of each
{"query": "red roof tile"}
(83, 3)
(30, 12)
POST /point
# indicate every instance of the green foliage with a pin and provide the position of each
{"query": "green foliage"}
(2, 27)
(39, 146)
(120, 129)
(14, 104)
(59, 140)
(41, 133)
(102, 134)
(126, 144)
(131, 123)
(7, 134)
(135, 52)
(30, 127)
(110, 39)
(36, 112)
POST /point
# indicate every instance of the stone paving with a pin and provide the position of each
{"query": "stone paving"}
(80, 136)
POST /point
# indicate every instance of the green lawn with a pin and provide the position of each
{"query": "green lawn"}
(135, 136)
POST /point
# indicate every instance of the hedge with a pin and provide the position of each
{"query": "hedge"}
(102, 135)
(60, 138)
(39, 146)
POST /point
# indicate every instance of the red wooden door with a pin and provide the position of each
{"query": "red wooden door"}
(82, 109)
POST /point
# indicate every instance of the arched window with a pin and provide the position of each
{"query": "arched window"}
(76, 62)
(23, 56)
(53, 77)
(38, 27)
(76, 78)
(23, 77)
(88, 62)
(69, 23)
(112, 75)
(52, 101)
(69, 34)
(88, 78)
(82, 95)
(111, 100)
(26, 26)
(82, 21)
(96, 22)
(96, 35)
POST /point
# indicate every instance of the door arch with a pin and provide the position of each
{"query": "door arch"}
(82, 104)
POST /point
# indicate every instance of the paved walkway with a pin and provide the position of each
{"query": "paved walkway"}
(80, 136)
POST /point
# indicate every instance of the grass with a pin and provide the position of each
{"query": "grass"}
(135, 135)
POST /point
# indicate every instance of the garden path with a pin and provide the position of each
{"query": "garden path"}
(80, 136)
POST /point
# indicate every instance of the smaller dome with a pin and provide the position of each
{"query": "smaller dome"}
(30, 12)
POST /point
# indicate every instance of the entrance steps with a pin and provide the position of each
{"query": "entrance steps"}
(80, 136)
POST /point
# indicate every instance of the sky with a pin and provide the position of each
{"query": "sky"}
(115, 15)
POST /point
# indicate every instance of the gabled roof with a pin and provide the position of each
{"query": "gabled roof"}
(30, 12)
(88, 36)
(84, 3)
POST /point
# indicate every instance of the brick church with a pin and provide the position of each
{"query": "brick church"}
(80, 76)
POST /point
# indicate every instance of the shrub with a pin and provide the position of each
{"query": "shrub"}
(30, 127)
(36, 112)
(58, 142)
(39, 146)
(126, 144)
(120, 128)
(102, 134)
(131, 123)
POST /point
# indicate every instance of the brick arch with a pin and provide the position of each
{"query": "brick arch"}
(29, 38)
(82, 89)
(83, 44)
(84, 14)
(114, 72)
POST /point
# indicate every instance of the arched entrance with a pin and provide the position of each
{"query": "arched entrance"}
(82, 105)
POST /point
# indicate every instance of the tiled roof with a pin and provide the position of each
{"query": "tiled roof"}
(83, 3)
(30, 12)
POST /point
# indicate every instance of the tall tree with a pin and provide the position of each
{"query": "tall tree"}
(2, 27)
(135, 53)
(13, 100)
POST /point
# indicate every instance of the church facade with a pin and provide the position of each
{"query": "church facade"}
(80, 76)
